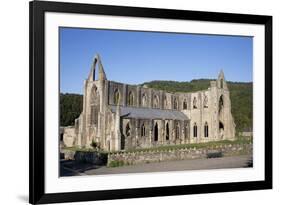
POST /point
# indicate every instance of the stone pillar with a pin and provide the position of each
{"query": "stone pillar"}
(161, 100)
(124, 96)
(102, 94)
(200, 125)
(106, 93)
(150, 132)
(117, 133)
(137, 126)
(162, 132)
(188, 131)
(80, 131)
(98, 137)
(150, 98)
(101, 117)
(182, 136)
(172, 136)
(138, 97)
(83, 120)
(213, 109)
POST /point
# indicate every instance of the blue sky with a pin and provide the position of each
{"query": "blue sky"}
(136, 57)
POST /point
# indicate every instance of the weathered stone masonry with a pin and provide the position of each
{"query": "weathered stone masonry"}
(123, 117)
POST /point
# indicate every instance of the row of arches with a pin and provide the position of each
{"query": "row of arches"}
(205, 102)
(206, 130)
(164, 131)
(156, 101)
(156, 131)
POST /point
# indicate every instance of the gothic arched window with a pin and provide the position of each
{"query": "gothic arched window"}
(156, 101)
(195, 130)
(167, 131)
(94, 90)
(165, 103)
(94, 96)
(143, 130)
(131, 99)
(116, 97)
(221, 83)
(194, 103)
(144, 100)
(175, 104)
(128, 130)
(156, 132)
(184, 106)
(206, 130)
(220, 103)
(205, 101)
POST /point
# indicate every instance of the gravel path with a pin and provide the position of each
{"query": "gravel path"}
(195, 164)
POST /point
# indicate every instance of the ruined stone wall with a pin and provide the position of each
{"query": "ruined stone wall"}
(69, 136)
(144, 97)
(142, 157)
(97, 123)
(200, 107)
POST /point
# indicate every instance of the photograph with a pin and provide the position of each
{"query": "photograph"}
(148, 101)
(133, 102)
(140, 102)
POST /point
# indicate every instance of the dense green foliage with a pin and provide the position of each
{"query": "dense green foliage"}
(241, 95)
(70, 108)
(175, 86)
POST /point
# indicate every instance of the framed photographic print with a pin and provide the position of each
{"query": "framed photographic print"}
(130, 102)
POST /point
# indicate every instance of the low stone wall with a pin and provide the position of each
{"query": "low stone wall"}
(141, 157)
(246, 134)
(67, 154)
(96, 158)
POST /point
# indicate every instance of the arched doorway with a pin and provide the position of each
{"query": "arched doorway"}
(128, 130)
(156, 132)
(221, 129)
(167, 131)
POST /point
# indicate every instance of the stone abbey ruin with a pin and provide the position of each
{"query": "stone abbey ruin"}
(118, 116)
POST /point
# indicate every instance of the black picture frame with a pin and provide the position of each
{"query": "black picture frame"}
(37, 194)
